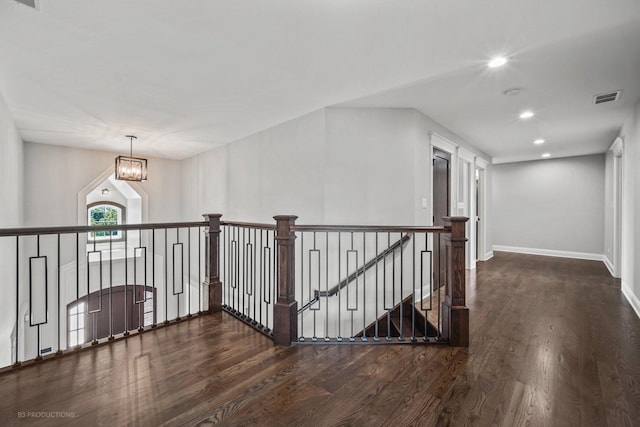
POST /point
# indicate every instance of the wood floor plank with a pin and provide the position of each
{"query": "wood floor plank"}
(553, 342)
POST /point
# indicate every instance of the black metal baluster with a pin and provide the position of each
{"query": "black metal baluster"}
(126, 284)
(255, 265)
(153, 278)
(439, 285)
(243, 282)
(401, 338)
(315, 312)
(166, 278)
(59, 351)
(177, 294)
(302, 284)
(200, 270)
(144, 283)
(376, 336)
(364, 287)
(389, 310)
(339, 337)
(17, 361)
(111, 337)
(326, 279)
(413, 294)
(189, 315)
(262, 277)
(38, 356)
(77, 282)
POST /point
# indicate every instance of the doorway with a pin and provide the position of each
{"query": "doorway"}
(441, 186)
(441, 208)
(480, 214)
(110, 311)
(617, 149)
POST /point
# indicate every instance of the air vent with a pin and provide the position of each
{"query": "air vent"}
(607, 97)
(31, 3)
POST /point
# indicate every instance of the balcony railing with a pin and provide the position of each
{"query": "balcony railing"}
(64, 290)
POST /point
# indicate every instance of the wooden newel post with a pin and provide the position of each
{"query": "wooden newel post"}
(214, 284)
(285, 310)
(455, 314)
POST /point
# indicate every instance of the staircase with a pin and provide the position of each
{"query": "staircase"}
(406, 321)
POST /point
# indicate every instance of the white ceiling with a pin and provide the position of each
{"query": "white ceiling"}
(190, 75)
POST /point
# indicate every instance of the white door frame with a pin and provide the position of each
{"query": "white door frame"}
(466, 201)
(481, 210)
(463, 197)
(617, 148)
(443, 144)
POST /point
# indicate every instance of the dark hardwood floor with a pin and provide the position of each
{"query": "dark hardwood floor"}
(553, 343)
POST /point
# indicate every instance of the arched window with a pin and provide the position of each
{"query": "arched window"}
(105, 213)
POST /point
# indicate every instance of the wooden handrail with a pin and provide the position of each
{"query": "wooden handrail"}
(32, 231)
(373, 228)
(255, 225)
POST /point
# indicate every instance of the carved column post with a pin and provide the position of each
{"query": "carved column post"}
(285, 310)
(455, 314)
(214, 284)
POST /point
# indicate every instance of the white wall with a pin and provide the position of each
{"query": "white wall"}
(11, 177)
(608, 208)
(550, 205)
(369, 166)
(631, 209)
(11, 215)
(335, 165)
(279, 171)
(55, 175)
(204, 181)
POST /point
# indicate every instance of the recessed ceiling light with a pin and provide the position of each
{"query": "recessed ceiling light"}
(498, 61)
(105, 191)
(526, 114)
(539, 141)
(546, 155)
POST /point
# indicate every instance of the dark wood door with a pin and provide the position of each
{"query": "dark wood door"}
(114, 310)
(441, 203)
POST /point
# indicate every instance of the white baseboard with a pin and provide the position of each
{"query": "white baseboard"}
(608, 264)
(633, 300)
(488, 256)
(549, 252)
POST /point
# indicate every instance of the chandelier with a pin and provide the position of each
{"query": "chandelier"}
(129, 168)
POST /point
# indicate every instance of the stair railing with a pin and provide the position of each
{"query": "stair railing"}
(405, 292)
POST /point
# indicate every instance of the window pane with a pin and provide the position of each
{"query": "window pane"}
(73, 322)
(104, 215)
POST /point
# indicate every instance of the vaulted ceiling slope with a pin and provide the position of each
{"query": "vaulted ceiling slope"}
(190, 75)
